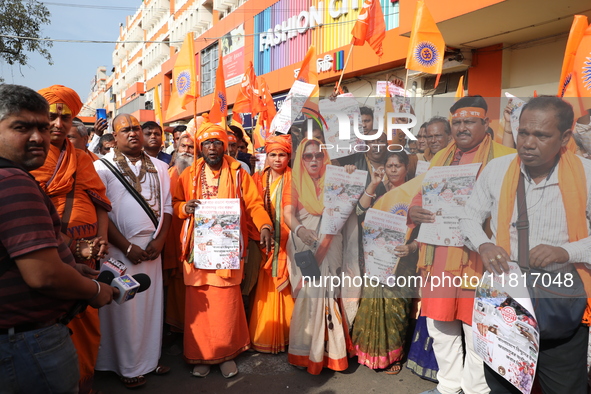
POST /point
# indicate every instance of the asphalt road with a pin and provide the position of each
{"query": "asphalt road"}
(266, 374)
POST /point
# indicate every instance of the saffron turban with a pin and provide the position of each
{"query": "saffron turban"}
(278, 142)
(232, 138)
(211, 131)
(61, 94)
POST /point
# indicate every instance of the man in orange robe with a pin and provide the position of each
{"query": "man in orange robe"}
(68, 177)
(215, 323)
(449, 309)
(171, 257)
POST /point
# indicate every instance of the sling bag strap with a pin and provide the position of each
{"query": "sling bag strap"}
(134, 193)
(68, 208)
(522, 225)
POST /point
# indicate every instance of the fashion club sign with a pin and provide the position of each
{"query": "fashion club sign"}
(303, 21)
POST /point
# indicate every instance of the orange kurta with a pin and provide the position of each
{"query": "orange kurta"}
(273, 304)
(56, 178)
(451, 303)
(215, 322)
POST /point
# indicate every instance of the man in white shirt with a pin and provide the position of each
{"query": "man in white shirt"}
(558, 204)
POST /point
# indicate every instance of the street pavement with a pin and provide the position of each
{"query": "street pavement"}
(266, 374)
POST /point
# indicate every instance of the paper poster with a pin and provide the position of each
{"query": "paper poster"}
(217, 234)
(400, 103)
(504, 328)
(516, 107)
(382, 233)
(260, 163)
(294, 102)
(233, 53)
(348, 108)
(422, 167)
(341, 193)
(445, 192)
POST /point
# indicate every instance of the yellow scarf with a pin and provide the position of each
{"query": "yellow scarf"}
(573, 188)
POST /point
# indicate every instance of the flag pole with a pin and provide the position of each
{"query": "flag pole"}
(405, 82)
(336, 88)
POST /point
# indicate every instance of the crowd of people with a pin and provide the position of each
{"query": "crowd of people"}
(71, 201)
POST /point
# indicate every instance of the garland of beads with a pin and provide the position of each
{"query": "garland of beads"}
(205, 187)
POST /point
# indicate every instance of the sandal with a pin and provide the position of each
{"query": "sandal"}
(132, 383)
(228, 369)
(394, 368)
(201, 370)
(161, 370)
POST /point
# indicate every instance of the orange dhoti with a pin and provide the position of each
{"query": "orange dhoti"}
(215, 324)
(271, 315)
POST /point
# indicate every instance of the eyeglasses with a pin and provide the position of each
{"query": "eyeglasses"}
(216, 143)
(318, 156)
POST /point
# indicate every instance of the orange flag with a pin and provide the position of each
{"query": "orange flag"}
(460, 89)
(158, 108)
(308, 73)
(246, 94)
(184, 82)
(575, 36)
(370, 26)
(582, 65)
(266, 115)
(426, 48)
(219, 107)
(267, 101)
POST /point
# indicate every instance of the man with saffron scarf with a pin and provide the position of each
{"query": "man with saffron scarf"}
(215, 323)
(558, 201)
(449, 309)
(273, 304)
(138, 225)
(68, 177)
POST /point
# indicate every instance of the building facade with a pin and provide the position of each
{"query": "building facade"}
(499, 46)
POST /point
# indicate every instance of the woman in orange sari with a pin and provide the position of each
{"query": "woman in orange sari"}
(273, 304)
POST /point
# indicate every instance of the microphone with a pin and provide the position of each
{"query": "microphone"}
(114, 266)
(129, 286)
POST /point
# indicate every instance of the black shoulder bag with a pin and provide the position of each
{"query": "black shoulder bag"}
(559, 308)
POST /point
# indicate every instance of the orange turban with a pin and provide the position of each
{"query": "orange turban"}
(232, 138)
(278, 142)
(209, 131)
(61, 94)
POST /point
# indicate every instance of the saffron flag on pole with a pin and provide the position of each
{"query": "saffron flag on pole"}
(266, 115)
(308, 72)
(219, 107)
(575, 36)
(426, 48)
(460, 89)
(245, 100)
(184, 81)
(157, 107)
(370, 26)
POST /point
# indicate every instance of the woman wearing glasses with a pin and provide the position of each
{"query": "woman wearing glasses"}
(318, 329)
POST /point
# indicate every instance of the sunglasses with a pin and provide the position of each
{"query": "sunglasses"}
(313, 156)
(208, 143)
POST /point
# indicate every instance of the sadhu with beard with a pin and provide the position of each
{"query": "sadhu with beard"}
(215, 323)
(171, 257)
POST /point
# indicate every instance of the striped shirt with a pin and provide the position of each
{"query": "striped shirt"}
(28, 223)
(545, 210)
